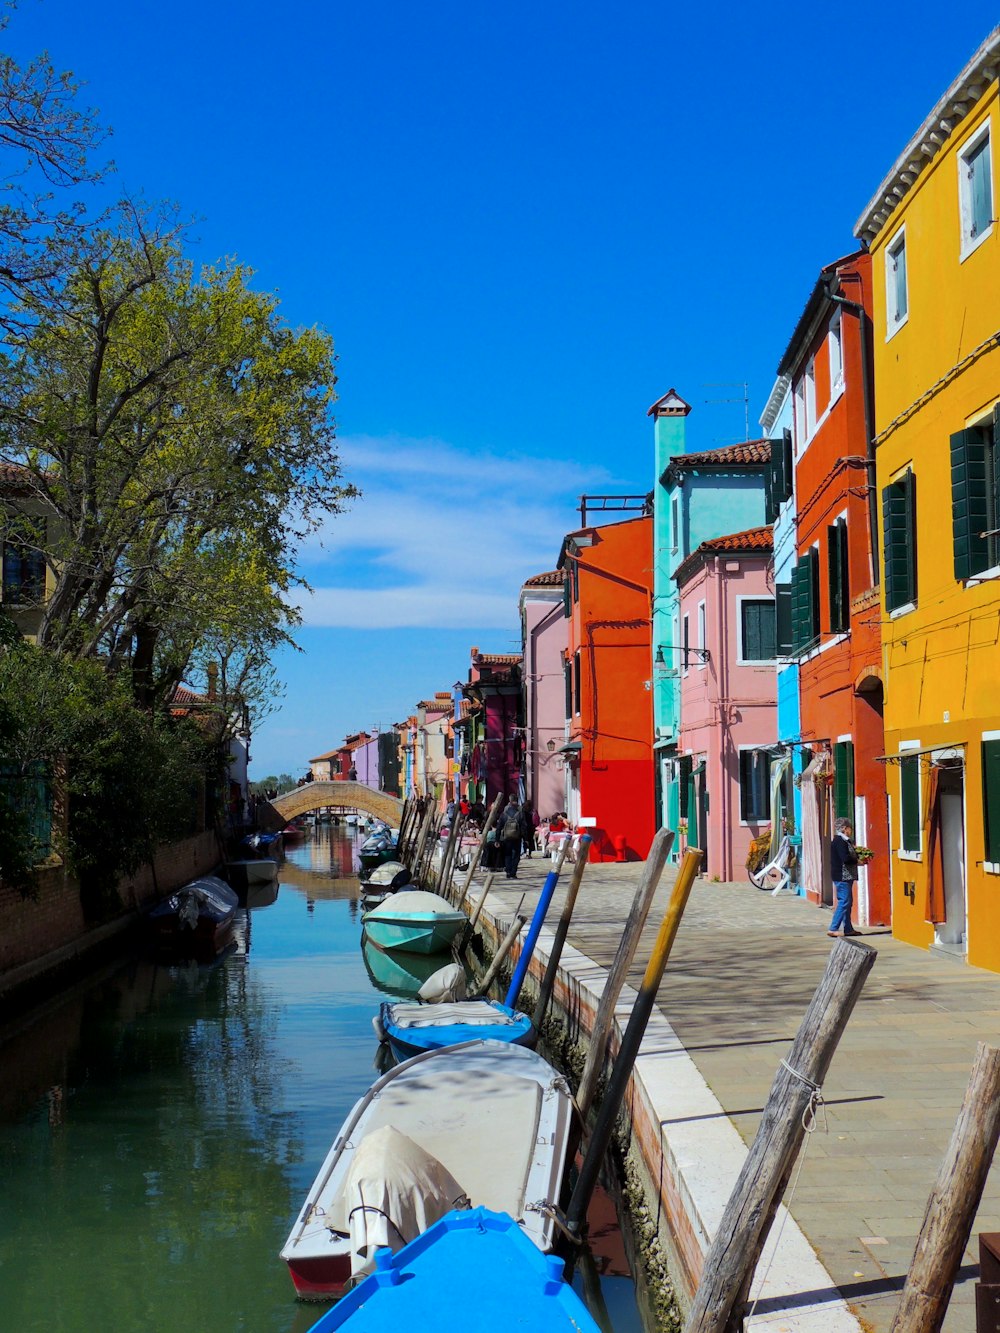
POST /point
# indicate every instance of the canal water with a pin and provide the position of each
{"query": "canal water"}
(160, 1125)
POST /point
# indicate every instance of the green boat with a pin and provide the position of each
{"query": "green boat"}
(414, 921)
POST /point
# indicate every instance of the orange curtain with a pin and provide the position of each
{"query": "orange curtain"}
(934, 906)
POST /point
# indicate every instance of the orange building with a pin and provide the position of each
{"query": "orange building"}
(835, 625)
(609, 752)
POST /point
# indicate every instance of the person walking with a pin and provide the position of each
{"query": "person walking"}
(511, 834)
(529, 823)
(844, 871)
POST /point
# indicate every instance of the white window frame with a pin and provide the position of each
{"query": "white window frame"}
(893, 323)
(809, 381)
(972, 243)
(918, 855)
(800, 415)
(835, 339)
(748, 823)
(702, 632)
(741, 657)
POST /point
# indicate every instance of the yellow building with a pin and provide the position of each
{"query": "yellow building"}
(935, 242)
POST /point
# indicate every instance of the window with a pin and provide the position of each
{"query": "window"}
(783, 619)
(779, 476)
(24, 561)
(801, 434)
(839, 577)
(899, 541)
(805, 602)
(975, 189)
(843, 780)
(991, 800)
(810, 387)
(685, 644)
(909, 805)
(685, 767)
(577, 681)
(757, 631)
(675, 525)
(975, 497)
(701, 633)
(836, 350)
(755, 786)
(896, 300)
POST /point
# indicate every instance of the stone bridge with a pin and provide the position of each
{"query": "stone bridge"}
(321, 795)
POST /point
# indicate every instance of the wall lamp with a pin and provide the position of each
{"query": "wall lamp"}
(702, 654)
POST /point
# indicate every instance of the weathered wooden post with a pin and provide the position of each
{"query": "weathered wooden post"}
(421, 840)
(562, 930)
(451, 853)
(477, 854)
(641, 904)
(505, 947)
(954, 1201)
(732, 1257)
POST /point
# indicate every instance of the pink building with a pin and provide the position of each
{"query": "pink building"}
(727, 641)
(545, 636)
(366, 762)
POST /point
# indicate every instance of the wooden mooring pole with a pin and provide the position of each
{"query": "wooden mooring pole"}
(628, 944)
(562, 930)
(954, 1201)
(732, 1257)
(517, 925)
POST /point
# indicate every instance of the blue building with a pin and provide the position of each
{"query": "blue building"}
(697, 497)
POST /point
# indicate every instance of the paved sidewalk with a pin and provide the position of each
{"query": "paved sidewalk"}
(741, 975)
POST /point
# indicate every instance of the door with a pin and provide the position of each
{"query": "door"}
(950, 933)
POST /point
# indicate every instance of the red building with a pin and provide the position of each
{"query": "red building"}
(835, 631)
(492, 728)
(609, 754)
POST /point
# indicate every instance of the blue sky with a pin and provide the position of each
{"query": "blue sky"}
(521, 224)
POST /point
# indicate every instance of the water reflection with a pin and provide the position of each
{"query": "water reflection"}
(160, 1125)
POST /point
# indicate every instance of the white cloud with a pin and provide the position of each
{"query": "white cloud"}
(441, 537)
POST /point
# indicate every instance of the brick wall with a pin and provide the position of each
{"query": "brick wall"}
(32, 928)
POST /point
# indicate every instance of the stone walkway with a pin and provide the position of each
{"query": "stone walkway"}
(741, 975)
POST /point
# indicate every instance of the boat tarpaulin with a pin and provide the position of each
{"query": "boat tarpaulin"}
(393, 1192)
(481, 1012)
(448, 983)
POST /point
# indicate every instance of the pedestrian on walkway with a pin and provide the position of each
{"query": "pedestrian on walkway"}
(511, 833)
(529, 822)
(844, 871)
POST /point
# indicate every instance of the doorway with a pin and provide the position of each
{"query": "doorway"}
(949, 934)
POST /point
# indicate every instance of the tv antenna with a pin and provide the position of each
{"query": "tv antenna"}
(745, 399)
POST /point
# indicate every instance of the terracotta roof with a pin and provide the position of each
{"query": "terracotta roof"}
(500, 659)
(753, 451)
(321, 758)
(752, 541)
(551, 579)
(182, 695)
(436, 705)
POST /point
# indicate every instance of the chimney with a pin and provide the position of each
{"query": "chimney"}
(212, 672)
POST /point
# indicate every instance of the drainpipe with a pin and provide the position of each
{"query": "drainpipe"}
(865, 334)
(722, 692)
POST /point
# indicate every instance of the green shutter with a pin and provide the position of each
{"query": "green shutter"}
(909, 804)
(899, 541)
(751, 631)
(768, 636)
(838, 575)
(968, 502)
(843, 780)
(789, 463)
(783, 619)
(991, 800)
(802, 603)
(684, 767)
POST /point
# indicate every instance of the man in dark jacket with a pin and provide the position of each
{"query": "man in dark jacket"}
(844, 872)
(511, 828)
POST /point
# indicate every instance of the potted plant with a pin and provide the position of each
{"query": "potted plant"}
(865, 854)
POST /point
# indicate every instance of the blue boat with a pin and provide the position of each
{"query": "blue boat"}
(412, 1028)
(477, 1264)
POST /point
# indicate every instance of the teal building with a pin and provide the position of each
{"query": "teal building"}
(697, 497)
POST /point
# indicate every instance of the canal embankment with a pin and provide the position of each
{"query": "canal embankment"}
(741, 975)
(46, 936)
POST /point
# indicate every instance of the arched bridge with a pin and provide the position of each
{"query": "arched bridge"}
(321, 795)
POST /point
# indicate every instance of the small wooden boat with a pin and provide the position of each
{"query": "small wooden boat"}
(195, 921)
(414, 921)
(474, 1261)
(398, 974)
(241, 874)
(391, 875)
(411, 1028)
(489, 1119)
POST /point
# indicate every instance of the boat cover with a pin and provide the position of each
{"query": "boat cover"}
(480, 1012)
(415, 903)
(207, 897)
(448, 983)
(387, 874)
(393, 1192)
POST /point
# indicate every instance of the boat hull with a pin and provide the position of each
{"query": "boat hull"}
(413, 1040)
(413, 937)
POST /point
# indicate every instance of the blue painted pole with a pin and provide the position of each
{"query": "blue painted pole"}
(521, 971)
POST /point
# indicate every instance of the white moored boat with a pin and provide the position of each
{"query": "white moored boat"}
(486, 1120)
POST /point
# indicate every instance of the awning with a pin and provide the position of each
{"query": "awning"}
(571, 747)
(945, 751)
